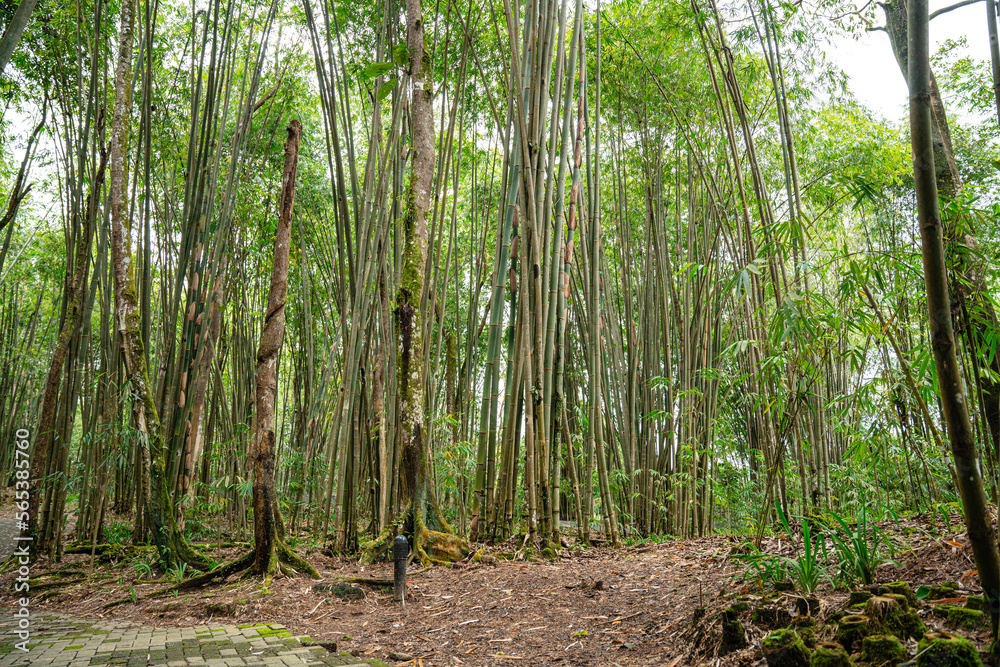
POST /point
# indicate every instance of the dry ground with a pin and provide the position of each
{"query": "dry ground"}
(600, 606)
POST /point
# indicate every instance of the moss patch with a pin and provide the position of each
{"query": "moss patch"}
(946, 589)
(890, 614)
(902, 588)
(852, 629)
(806, 627)
(977, 602)
(883, 650)
(784, 648)
(961, 617)
(828, 654)
(734, 637)
(859, 598)
(943, 649)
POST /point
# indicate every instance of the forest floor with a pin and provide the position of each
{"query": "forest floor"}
(597, 606)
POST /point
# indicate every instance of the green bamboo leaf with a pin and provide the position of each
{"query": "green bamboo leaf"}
(401, 55)
(374, 70)
(386, 88)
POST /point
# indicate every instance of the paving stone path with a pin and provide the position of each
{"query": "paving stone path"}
(57, 640)
(8, 530)
(62, 641)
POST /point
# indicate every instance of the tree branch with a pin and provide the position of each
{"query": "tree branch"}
(268, 95)
(957, 5)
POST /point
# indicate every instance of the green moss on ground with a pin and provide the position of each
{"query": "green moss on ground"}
(961, 617)
(828, 654)
(784, 648)
(943, 649)
(852, 629)
(883, 650)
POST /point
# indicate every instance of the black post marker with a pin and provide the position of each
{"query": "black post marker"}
(400, 552)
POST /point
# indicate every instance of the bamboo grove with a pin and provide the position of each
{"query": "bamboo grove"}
(610, 270)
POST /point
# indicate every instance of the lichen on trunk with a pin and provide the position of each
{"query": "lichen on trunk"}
(170, 543)
(430, 535)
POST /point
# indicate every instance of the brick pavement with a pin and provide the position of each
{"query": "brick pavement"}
(62, 641)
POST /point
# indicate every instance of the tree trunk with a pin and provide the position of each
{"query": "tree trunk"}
(968, 284)
(991, 25)
(268, 531)
(437, 544)
(270, 555)
(205, 360)
(953, 400)
(74, 294)
(12, 34)
(171, 545)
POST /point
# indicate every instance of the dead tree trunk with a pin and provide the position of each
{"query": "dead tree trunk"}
(270, 552)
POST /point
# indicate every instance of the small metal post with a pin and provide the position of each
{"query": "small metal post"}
(400, 552)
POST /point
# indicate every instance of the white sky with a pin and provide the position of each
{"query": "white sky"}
(875, 77)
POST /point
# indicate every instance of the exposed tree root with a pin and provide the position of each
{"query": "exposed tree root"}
(436, 547)
(222, 572)
(284, 562)
(427, 545)
(115, 603)
(107, 552)
(378, 549)
(56, 579)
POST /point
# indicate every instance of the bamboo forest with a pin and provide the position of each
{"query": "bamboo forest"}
(540, 332)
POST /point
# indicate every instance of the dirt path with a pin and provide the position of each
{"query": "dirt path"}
(625, 607)
(596, 607)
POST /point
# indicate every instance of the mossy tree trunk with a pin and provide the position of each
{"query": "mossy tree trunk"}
(429, 534)
(171, 545)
